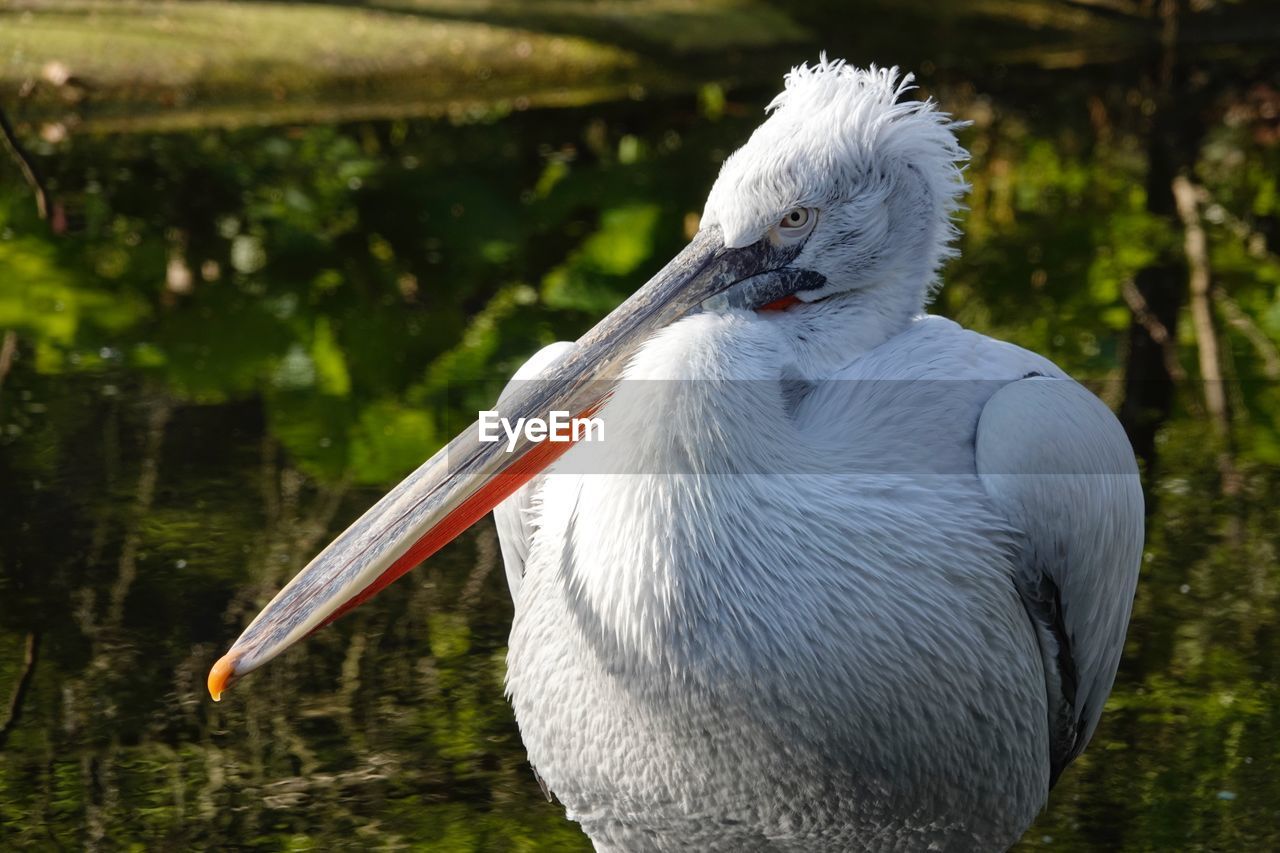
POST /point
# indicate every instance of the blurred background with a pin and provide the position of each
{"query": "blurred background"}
(258, 260)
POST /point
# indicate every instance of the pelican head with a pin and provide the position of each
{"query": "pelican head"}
(864, 182)
(846, 189)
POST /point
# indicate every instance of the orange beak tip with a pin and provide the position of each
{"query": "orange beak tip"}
(220, 676)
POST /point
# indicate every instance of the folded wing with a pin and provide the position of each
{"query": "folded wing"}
(1057, 463)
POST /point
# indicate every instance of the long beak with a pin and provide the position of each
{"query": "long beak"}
(469, 477)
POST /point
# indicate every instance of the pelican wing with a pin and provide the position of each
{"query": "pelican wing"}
(1057, 463)
(512, 516)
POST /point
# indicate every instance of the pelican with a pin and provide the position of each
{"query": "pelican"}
(839, 575)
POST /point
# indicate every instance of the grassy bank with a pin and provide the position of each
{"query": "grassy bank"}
(135, 64)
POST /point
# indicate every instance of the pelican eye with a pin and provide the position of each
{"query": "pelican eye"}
(795, 224)
(795, 218)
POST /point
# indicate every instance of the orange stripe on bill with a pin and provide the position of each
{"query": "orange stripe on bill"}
(470, 476)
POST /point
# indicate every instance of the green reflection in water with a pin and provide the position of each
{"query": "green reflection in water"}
(248, 334)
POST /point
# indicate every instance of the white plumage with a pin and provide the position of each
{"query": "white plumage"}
(842, 576)
(816, 600)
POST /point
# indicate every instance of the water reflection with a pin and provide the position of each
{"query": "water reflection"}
(246, 335)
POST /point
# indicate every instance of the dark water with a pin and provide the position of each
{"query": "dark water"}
(239, 339)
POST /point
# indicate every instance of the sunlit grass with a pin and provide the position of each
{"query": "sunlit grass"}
(202, 63)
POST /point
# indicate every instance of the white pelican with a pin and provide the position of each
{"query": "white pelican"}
(862, 583)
